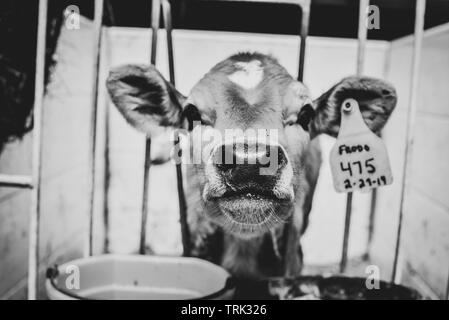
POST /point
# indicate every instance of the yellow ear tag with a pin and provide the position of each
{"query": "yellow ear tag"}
(359, 159)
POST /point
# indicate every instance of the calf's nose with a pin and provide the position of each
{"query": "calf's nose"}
(248, 162)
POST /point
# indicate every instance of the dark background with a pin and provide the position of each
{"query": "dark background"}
(328, 18)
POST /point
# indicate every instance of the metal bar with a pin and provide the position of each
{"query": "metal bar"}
(107, 183)
(107, 164)
(373, 207)
(410, 126)
(371, 222)
(185, 232)
(447, 287)
(344, 252)
(166, 8)
(305, 9)
(155, 13)
(33, 246)
(16, 181)
(361, 36)
(146, 180)
(98, 21)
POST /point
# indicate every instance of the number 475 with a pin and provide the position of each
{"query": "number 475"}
(370, 168)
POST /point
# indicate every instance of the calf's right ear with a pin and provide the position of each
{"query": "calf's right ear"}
(144, 98)
(376, 98)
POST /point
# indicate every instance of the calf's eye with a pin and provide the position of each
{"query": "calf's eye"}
(305, 116)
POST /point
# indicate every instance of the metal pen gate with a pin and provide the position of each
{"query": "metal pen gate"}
(33, 181)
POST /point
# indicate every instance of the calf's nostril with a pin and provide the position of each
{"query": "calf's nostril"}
(282, 159)
(273, 156)
(250, 158)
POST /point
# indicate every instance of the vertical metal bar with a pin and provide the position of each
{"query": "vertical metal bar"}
(305, 8)
(288, 233)
(373, 207)
(344, 252)
(447, 287)
(98, 20)
(410, 126)
(109, 15)
(362, 35)
(361, 49)
(185, 232)
(166, 8)
(371, 222)
(107, 182)
(33, 245)
(155, 13)
(146, 180)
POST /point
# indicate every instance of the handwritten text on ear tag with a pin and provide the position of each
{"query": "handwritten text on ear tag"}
(359, 159)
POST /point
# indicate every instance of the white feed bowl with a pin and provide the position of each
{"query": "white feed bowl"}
(138, 277)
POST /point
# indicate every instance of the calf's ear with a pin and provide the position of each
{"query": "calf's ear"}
(144, 98)
(376, 99)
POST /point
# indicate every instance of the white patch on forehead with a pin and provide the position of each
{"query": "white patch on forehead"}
(249, 75)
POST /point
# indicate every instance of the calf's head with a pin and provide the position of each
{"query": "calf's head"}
(249, 124)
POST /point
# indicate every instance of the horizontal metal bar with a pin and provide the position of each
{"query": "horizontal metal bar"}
(15, 181)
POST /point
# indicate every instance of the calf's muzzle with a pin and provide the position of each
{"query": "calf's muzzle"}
(249, 164)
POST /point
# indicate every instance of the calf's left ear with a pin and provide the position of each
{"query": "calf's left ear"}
(376, 99)
(144, 98)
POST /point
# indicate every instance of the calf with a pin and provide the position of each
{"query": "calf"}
(248, 221)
